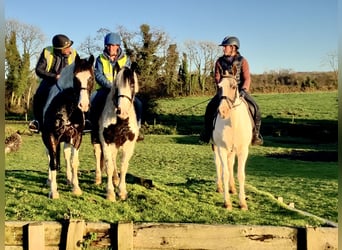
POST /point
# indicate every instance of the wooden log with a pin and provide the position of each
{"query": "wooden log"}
(16, 234)
(198, 236)
(103, 234)
(322, 238)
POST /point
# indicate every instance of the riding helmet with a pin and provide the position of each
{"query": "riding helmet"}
(112, 38)
(61, 41)
(230, 40)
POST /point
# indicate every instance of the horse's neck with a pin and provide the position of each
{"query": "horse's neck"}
(65, 81)
(67, 76)
(239, 114)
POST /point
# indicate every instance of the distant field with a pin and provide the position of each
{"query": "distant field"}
(183, 173)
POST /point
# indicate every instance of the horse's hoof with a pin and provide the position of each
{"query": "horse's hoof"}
(228, 206)
(219, 190)
(111, 196)
(77, 191)
(244, 207)
(98, 181)
(54, 195)
(123, 197)
(232, 191)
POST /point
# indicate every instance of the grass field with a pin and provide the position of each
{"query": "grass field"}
(183, 174)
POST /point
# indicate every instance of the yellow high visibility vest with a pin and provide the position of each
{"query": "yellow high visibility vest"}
(108, 68)
(48, 54)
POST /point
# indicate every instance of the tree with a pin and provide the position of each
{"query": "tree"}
(20, 78)
(147, 48)
(202, 55)
(332, 61)
(12, 58)
(183, 75)
(93, 45)
(170, 69)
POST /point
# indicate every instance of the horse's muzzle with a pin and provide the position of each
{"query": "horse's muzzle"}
(118, 111)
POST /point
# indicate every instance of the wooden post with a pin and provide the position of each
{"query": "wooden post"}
(125, 235)
(36, 236)
(75, 234)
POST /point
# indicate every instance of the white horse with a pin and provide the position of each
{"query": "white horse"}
(63, 120)
(118, 129)
(232, 136)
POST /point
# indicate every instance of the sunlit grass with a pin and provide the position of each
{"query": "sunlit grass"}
(183, 174)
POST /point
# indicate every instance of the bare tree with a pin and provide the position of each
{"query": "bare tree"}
(28, 42)
(202, 56)
(331, 60)
(29, 39)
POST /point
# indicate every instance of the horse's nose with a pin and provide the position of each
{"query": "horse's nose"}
(84, 107)
(118, 111)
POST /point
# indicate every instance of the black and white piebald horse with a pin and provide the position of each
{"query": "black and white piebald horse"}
(118, 130)
(64, 120)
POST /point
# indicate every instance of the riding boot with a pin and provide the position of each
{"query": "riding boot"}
(39, 101)
(209, 117)
(257, 138)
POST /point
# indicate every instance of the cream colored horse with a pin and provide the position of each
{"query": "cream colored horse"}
(118, 129)
(232, 136)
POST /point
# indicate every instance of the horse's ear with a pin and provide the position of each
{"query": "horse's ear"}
(91, 59)
(234, 69)
(135, 67)
(77, 58)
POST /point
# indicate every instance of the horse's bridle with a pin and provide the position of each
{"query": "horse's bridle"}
(116, 98)
(126, 96)
(231, 101)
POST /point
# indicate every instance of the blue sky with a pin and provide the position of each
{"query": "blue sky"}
(274, 35)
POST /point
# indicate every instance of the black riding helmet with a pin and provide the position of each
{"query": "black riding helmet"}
(230, 40)
(61, 41)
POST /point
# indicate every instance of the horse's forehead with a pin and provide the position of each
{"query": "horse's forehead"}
(228, 81)
(83, 76)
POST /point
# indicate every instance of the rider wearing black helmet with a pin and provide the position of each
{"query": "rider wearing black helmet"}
(49, 66)
(231, 56)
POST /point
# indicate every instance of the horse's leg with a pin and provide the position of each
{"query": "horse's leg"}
(242, 158)
(98, 156)
(53, 165)
(219, 187)
(48, 181)
(127, 153)
(53, 194)
(225, 175)
(108, 158)
(231, 161)
(76, 190)
(67, 157)
(116, 178)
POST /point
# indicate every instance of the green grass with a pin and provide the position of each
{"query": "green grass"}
(183, 173)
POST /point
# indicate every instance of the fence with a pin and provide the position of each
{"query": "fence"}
(78, 234)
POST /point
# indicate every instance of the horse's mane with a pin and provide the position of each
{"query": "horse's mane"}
(127, 76)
